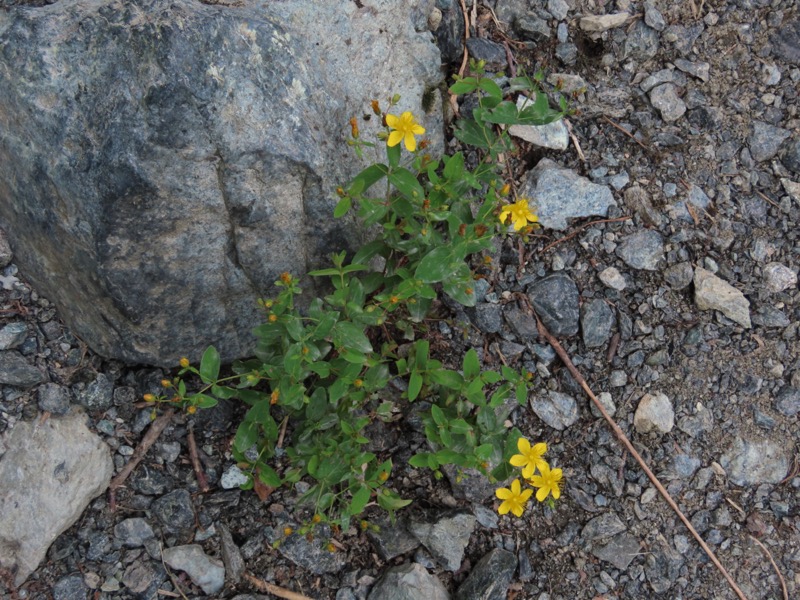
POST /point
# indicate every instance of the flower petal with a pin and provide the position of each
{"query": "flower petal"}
(518, 460)
(523, 445)
(504, 508)
(503, 493)
(556, 492)
(515, 487)
(391, 120)
(523, 497)
(527, 472)
(518, 510)
(394, 138)
(410, 141)
(540, 448)
(418, 129)
(542, 493)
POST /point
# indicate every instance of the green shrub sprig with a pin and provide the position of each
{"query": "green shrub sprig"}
(322, 374)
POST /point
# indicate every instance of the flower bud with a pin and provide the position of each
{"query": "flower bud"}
(149, 398)
(184, 362)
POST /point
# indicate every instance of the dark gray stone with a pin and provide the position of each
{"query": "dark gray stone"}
(490, 577)
(787, 401)
(620, 551)
(567, 53)
(450, 32)
(149, 481)
(445, 536)
(410, 581)
(786, 42)
(557, 410)
(666, 100)
(790, 155)
(483, 49)
(602, 527)
(53, 398)
(143, 578)
(98, 395)
(16, 371)
(684, 37)
(175, 510)
(597, 320)
(684, 466)
(70, 587)
(700, 70)
(158, 173)
(390, 541)
(12, 335)
(641, 43)
(642, 250)
(562, 194)
(521, 323)
(556, 300)
(765, 140)
(756, 461)
(312, 555)
(662, 565)
(653, 17)
(679, 276)
(6, 255)
(487, 317)
(531, 27)
(133, 532)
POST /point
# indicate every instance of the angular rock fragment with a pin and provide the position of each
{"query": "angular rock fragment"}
(642, 250)
(756, 461)
(410, 581)
(712, 293)
(654, 413)
(601, 23)
(562, 194)
(206, 572)
(555, 299)
(490, 577)
(48, 475)
(552, 135)
(445, 536)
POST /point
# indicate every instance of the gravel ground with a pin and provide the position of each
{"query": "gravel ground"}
(688, 113)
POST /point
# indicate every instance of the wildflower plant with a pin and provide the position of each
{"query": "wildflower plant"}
(320, 375)
(547, 482)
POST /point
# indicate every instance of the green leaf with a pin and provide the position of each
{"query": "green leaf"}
(224, 393)
(490, 377)
(522, 394)
(246, 435)
(203, 401)
(504, 113)
(359, 501)
(418, 310)
(393, 154)
(449, 457)
(342, 207)
(460, 426)
(438, 415)
(407, 184)
(268, 476)
(390, 501)
(484, 451)
(317, 405)
(421, 354)
(447, 378)
(491, 88)
(472, 134)
(374, 248)
(350, 336)
(421, 460)
(464, 86)
(454, 169)
(471, 365)
(414, 386)
(209, 365)
(436, 266)
(367, 178)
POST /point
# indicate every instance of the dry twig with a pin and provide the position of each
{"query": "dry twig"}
(202, 481)
(574, 140)
(273, 589)
(627, 444)
(626, 132)
(156, 427)
(774, 566)
(463, 67)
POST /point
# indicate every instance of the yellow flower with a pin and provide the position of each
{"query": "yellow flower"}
(514, 499)
(191, 409)
(548, 483)
(520, 214)
(529, 458)
(184, 362)
(405, 128)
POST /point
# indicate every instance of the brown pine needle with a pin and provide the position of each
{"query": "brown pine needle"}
(202, 481)
(275, 590)
(562, 354)
(774, 566)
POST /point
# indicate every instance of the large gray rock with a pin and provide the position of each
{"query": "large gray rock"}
(757, 461)
(163, 162)
(490, 577)
(445, 536)
(712, 293)
(561, 194)
(48, 475)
